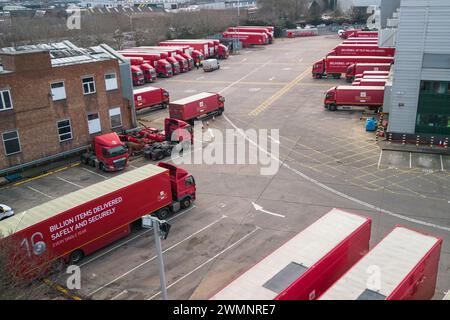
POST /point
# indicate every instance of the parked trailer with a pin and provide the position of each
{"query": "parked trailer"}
(359, 68)
(349, 97)
(361, 50)
(358, 34)
(201, 47)
(404, 266)
(361, 41)
(151, 97)
(308, 264)
(359, 77)
(370, 82)
(172, 54)
(335, 66)
(253, 29)
(294, 33)
(75, 225)
(248, 39)
(197, 107)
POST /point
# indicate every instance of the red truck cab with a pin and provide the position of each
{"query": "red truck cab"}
(149, 72)
(224, 53)
(108, 153)
(182, 184)
(137, 76)
(318, 69)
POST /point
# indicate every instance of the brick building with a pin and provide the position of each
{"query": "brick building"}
(52, 102)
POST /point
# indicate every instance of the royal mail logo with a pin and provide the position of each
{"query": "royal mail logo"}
(162, 195)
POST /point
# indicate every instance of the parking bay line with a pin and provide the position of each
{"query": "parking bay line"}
(40, 192)
(70, 182)
(207, 261)
(334, 191)
(154, 257)
(131, 239)
(95, 173)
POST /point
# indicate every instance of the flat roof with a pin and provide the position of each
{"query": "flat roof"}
(360, 87)
(145, 89)
(395, 256)
(54, 207)
(303, 251)
(198, 96)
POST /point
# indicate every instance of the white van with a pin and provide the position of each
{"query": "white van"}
(211, 65)
(5, 211)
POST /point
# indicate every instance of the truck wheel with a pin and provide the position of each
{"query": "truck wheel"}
(186, 203)
(318, 76)
(76, 257)
(101, 166)
(157, 155)
(84, 160)
(332, 107)
(162, 214)
(91, 163)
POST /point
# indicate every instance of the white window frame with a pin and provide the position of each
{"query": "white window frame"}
(93, 82)
(115, 113)
(59, 134)
(92, 125)
(63, 88)
(18, 139)
(116, 84)
(3, 105)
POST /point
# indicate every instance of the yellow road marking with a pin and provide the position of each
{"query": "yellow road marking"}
(61, 289)
(266, 104)
(46, 174)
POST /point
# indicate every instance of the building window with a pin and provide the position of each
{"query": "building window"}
(111, 81)
(11, 142)
(64, 130)
(58, 91)
(5, 100)
(115, 117)
(88, 85)
(94, 123)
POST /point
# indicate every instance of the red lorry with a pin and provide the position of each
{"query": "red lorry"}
(196, 55)
(369, 82)
(137, 76)
(150, 97)
(149, 72)
(171, 52)
(349, 97)
(75, 225)
(197, 107)
(252, 29)
(361, 41)
(248, 39)
(358, 34)
(402, 266)
(335, 66)
(359, 68)
(201, 47)
(107, 153)
(162, 66)
(362, 50)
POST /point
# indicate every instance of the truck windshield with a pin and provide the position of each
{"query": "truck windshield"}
(114, 152)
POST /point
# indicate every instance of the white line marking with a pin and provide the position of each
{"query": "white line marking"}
(237, 81)
(271, 79)
(131, 166)
(442, 163)
(70, 182)
(131, 239)
(41, 193)
(381, 157)
(200, 78)
(259, 208)
(95, 173)
(410, 160)
(336, 192)
(154, 257)
(116, 296)
(207, 261)
(274, 140)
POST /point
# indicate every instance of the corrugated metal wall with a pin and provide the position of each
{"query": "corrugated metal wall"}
(423, 28)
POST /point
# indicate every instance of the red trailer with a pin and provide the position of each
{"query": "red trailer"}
(200, 46)
(171, 52)
(376, 74)
(360, 77)
(362, 50)
(294, 33)
(370, 82)
(403, 266)
(308, 264)
(80, 223)
(248, 39)
(361, 41)
(253, 29)
(358, 68)
(348, 97)
(151, 97)
(197, 107)
(162, 66)
(335, 66)
(359, 34)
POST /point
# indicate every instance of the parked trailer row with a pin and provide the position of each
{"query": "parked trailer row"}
(295, 33)
(345, 34)
(75, 225)
(358, 68)
(248, 39)
(335, 66)
(361, 50)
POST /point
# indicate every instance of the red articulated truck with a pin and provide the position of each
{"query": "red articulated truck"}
(162, 66)
(197, 107)
(172, 53)
(295, 33)
(224, 52)
(253, 29)
(108, 153)
(149, 72)
(358, 68)
(198, 47)
(308, 264)
(75, 225)
(335, 66)
(151, 97)
(402, 266)
(137, 76)
(353, 97)
(362, 50)
(248, 39)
